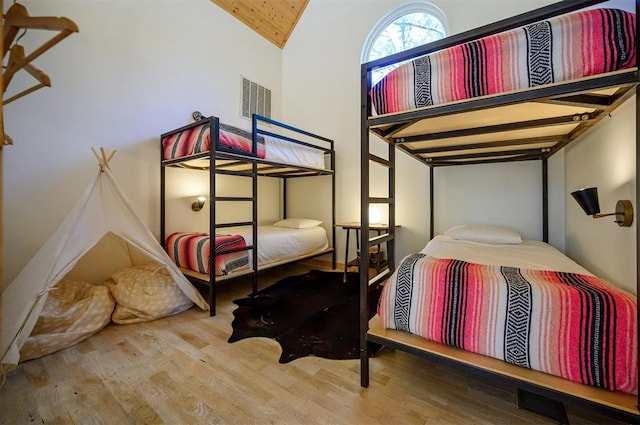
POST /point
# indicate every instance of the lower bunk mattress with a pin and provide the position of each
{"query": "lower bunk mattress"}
(275, 244)
(193, 251)
(503, 302)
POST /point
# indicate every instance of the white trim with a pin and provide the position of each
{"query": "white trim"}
(392, 15)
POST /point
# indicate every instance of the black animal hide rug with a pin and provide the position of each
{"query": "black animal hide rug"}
(312, 314)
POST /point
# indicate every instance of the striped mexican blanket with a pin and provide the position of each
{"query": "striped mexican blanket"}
(197, 139)
(574, 326)
(562, 48)
(192, 251)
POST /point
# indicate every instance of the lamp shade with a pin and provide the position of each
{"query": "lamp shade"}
(588, 199)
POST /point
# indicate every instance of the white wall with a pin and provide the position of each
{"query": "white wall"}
(135, 70)
(321, 74)
(481, 193)
(187, 185)
(605, 159)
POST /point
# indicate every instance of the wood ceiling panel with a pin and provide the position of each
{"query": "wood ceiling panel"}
(273, 19)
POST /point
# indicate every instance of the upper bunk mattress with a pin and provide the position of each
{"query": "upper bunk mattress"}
(197, 139)
(562, 48)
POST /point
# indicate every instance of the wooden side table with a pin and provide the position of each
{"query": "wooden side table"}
(374, 252)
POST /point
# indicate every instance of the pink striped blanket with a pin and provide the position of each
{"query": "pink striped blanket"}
(575, 326)
(193, 250)
(197, 139)
(562, 48)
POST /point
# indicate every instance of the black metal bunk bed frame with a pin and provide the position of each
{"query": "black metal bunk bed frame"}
(396, 130)
(250, 166)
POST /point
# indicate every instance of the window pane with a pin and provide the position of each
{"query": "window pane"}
(406, 31)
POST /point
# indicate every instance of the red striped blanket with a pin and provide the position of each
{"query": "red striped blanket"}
(193, 250)
(562, 48)
(197, 139)
(574, 326)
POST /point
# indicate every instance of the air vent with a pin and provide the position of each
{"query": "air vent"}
(255, 99)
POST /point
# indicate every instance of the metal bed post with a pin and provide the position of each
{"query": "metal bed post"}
(637, 119)
(214, 132)
(284, 197)
(391, 244)
(254, 225)
(332, 158)
(364, 223)
(545, 201)
(254, 203)
(431, 209)
(163, 197)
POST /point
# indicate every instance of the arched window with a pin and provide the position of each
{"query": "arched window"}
(405, 27)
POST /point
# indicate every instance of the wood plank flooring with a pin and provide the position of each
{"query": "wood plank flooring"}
(182, 370)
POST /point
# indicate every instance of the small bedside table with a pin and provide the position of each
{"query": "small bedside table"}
(374, 252)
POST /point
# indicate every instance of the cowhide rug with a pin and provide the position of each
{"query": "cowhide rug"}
(311, 314)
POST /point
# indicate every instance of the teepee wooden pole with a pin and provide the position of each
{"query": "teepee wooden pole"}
(103, 158)
(95, 154)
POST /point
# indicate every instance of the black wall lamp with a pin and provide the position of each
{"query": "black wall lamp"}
(588, 199)
(198, 203)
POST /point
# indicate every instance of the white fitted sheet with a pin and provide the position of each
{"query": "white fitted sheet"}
(280, 243)
(285, 152)
(527, 255)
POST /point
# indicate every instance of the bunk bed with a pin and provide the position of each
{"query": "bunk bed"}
(427, 109)
(242, 248)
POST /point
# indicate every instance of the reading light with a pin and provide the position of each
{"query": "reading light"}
(588, 199)
(198, 203)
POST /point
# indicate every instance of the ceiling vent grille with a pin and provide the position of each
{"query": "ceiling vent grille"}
(256, 99)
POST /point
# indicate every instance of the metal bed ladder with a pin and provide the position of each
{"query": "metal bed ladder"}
(366, 241)
(214, 226)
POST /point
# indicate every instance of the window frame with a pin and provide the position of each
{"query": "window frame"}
(418, 6)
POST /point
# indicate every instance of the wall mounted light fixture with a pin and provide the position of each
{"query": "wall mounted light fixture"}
(198, 203)
(587, 198)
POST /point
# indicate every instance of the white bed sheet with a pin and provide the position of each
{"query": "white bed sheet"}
(527, 255)
(280, 243)
(285, 152)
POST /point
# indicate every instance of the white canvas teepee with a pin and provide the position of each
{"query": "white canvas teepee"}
(102, 212)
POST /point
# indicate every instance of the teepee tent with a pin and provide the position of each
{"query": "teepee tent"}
(101, 235)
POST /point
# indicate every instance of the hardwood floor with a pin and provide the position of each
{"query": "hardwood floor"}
(182, 370)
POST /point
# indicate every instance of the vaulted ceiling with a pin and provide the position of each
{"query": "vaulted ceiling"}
(273, 19)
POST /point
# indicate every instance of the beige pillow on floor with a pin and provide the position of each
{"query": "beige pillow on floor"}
(72, 313)
(144, 293)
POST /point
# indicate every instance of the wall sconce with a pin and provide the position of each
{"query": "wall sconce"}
(588, 199)
(198, 203)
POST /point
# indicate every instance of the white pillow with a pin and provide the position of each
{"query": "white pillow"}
(486, 233)
(297, 223)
